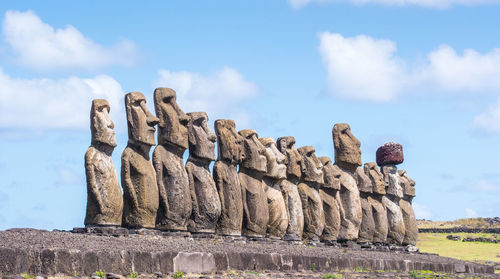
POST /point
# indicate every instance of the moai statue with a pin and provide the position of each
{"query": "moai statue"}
(348, 159)
(140, 191)
(293, 203)
(230, 153)
(250, 174)
(173, 184)
(104, 197)
(312, 206)
(330, 196)
(205, 199)
(411, 229)
(388, 155)
(367, 228)
(375, 200)
(275, 175)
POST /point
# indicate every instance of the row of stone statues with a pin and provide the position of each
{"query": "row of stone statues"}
(259, 187)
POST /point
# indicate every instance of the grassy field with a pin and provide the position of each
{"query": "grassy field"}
(467, 222)
(467, 251)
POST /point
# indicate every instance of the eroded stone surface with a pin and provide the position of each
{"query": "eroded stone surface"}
(391, 200)
(376, 178)
(390, 153)
(173, 184)
(411, 229)
(330, 196)
(367, 228)
(375, 199)
(273, 178)
(230, 153)
(251, 172)
(289, 188)
(346, 146)
(140, 191)
(104, 197)
(206, 207)
(312, 206)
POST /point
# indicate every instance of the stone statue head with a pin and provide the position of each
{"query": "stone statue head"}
(201, 138)
(331, 173)
(313, 167)
(363, 181)
(276, 167)
(407, 183)
(172, 127)
(255, 152)
(392, 181)
(347, 147)
(140, 122)
(229, 142)
(293, 161)
(376, 178)
(101, 124)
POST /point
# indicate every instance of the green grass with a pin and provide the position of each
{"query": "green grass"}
(468, 222)
(467, 251)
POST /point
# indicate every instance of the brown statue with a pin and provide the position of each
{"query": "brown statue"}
(173, 185)
(275, 175)
(330, 196)
(140, 192)
(367, 228)
(394, 193)
(411, 229)
(294, 167)
(205, 199)
(104, 197)
(250, 174)
(230, 153)
(312, 206)
(348, 159)
(375, 200)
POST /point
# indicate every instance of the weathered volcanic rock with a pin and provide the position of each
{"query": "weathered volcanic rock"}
(276, 173)
(411, 229)
(390, 153)
(104, 197)
(391, 201)
(230, 153)
(375, 199)
(140, 191)
(289, 189)
(330, 196)
(367, 228)
(173, 184)
(312, 206)
(347, 147)
(205, 199)
(250, 174)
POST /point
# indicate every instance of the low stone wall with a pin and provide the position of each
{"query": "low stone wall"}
(49, 253)
(459, 230)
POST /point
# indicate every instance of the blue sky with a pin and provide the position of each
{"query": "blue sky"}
(423, 73)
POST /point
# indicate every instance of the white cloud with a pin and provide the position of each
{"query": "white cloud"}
(422, 211)
(47, 103)
(470, 213)
(40, 46)
(221, 95)
(490, 119)
(438, 4)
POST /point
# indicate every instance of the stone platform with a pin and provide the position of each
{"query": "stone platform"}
(83, 252)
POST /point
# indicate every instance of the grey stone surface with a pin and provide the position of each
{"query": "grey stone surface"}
(230, 153)
(104, 196)
(330, 196)
(310, 182)
(173, 186)
(293, 203)
(273, 178)
(347, 147)
(250, 174)
(367, 228)
(375, 199)
(140, 192)
(194, 262)
(411, 228)
(396, 227)
(206, 206)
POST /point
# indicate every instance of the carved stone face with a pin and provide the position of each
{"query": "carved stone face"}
(255, 152)
(141, 123)
(276, 167)
(407, 183)
(101, 124)
(392, 182)
(331, 173)
(363, 181)
(201, 138)
(173, 121)
(293, 161)
(376, 177)
(313, 167)
(229, 142)
(347, 147)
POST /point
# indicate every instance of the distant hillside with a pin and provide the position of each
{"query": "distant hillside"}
(467, 223)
